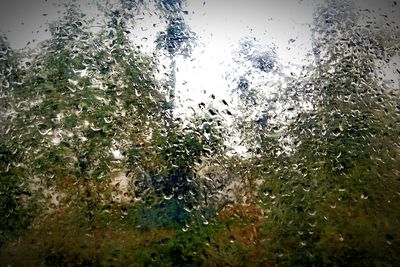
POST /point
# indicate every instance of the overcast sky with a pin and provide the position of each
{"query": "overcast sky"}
(219, 26)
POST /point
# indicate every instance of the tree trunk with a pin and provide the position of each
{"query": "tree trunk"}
(172, 82)
(169, 110)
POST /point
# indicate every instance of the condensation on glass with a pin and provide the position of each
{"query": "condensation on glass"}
(199, 133)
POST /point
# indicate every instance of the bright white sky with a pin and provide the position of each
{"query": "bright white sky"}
(219, 25)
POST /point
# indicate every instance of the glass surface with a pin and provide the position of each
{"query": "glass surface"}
(199, 133)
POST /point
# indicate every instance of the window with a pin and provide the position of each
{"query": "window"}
(199, 133)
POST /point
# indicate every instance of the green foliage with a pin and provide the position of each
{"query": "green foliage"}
(168, 184)
(320, 190)
(330, 198)
(16, 206)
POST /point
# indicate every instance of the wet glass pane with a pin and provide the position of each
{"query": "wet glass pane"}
(199, 133)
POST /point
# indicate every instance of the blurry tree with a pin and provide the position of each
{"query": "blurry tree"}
(84, 100)
(16, 201)
(332, 198)
(168, 180)
(177, 39)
